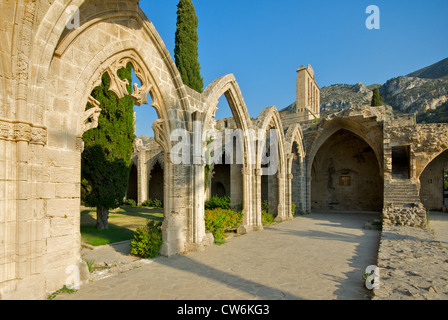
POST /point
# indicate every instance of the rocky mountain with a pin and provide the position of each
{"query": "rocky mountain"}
(343, 96)
(438, 70)
(422, 90)
(415, 95)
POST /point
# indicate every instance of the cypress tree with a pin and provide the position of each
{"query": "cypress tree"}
(377, 100)
(106, 159)
(186, 46)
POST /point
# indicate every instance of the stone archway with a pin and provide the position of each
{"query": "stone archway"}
(296, 167)
(58, 68)
(242, 174)
(434, 183)
(274, 174)
(156, 189)
(345, 167)
(132, 192)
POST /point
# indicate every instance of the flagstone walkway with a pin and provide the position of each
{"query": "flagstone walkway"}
(318, 256)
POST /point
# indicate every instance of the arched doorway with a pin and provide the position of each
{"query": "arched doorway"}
(132, 186)
(155, 183)
(434, 183)
(345, 175)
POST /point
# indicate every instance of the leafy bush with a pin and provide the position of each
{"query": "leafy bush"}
(219, 220)
(147, 240)
(130, 202)
(154, 203)
(293, 208)
(265, 206)
(267, 218)
(218, 202)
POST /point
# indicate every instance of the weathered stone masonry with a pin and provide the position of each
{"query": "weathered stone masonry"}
(47, 73)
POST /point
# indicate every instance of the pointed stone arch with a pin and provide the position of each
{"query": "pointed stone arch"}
(295, 155)
(270, 119)
(58, 70)
(228, 86)
(366, 127)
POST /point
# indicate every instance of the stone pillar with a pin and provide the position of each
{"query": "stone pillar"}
(252, 200)
(175, 223)
(236, 185)
(198, 238)
(142, 178)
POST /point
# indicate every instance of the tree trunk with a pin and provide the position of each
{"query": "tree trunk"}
(102, 218)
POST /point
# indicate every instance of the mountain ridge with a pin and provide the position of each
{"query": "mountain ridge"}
(420, 91)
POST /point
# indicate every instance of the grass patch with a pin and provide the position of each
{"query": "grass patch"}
(64, 289)
(122, 224)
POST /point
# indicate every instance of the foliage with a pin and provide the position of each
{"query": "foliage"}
(439, 115)
(293, 208)
(218, 202)
(89, 263)
(106, 159)
(265, 206)
(147, 240)
(376, 99)
(267, 218)
(186, 46)
(153, 203)
(64, 289)
(218, 221)
(130, 202)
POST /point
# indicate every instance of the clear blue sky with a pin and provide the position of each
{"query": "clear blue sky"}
(264, 42)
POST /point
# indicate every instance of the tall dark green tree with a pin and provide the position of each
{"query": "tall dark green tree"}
(186, 46)
(106, 159)
(377, 100)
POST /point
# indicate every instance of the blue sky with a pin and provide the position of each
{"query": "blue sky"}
(264, 42)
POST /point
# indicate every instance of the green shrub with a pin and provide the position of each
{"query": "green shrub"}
(218, 221)
(293, 208)
(265, 205)
(218, 202)
(147, 240)
(153, 203)
(130, 202)
(267, 218)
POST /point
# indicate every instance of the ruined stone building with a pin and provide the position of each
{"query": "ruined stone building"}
(356, 159)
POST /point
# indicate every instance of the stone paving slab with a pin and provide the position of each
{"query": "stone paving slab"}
(413, 262)
(321, 256)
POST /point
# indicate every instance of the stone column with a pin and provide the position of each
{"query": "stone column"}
(175, 223)
(142, 178)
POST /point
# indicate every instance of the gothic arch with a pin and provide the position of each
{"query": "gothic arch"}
(294, 148)
(115, 32)
(346, 177)
(365, 132)
(71, 65)
(228, 86)
(270, 119)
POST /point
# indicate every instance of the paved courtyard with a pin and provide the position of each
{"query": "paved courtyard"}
(318, 256)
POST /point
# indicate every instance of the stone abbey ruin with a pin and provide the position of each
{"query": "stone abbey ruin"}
(357, 159)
